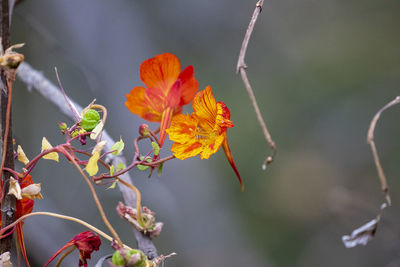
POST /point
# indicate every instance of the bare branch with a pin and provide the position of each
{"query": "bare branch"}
(241, 69)
(371, 142)
(8, 201)
(35, 79)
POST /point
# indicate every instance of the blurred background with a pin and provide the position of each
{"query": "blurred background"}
(320, 71)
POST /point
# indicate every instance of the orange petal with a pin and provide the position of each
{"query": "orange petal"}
(187, 150)
(165, 122)
(189, 85)
(137, 103)
(174, 95)
(229, 157)
(205, 108)
(222, 121)
(211, 146)
(160, 71)
(183, 129)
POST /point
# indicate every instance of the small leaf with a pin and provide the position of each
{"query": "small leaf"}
(91, 167)
(112, 169)
(97, 130)
(45, 146)
(90, 120)
(112, 186)
(21, 155)
(118, 146)
(120, 166)
(160, 168)
(144, 167)
(156, 148)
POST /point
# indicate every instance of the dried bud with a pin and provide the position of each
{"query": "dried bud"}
(144, 130)
(32, 191)
(14, 188)
(5, 259)
(148, 225)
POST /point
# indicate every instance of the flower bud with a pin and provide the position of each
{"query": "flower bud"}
(144, 130)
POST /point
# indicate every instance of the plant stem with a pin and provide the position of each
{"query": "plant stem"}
(96, 199)
(64, 217)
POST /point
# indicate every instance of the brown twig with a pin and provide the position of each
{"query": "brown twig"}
(96, 199)
(241, 69)
(8, 201)
(371, 142)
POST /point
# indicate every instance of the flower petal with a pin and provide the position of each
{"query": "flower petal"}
(229, 157)
(222, 121)
(205, 109)
(211, 146)
(189, 85)
(187, 150)
(165, 122)
(160, 71)
(137, 103)
(183, 128)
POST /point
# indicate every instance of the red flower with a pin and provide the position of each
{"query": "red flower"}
(168, 89)
(23, 206)
(86, 242)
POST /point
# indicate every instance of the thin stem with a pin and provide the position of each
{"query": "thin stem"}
(241, 68)
(103, 119)
(96, 199)
(138, 199)
(371, 142)
(69, 251)
(7, 127)
(75, 113)
(60, 216)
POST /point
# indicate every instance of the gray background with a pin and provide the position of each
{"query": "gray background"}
(320, 70)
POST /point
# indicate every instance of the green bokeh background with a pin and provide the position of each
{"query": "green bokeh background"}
(320, 71)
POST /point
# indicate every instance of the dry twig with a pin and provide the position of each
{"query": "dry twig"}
(241, 69)
(371, 142)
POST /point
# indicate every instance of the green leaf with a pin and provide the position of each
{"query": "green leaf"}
(120, 166)
(90, 120)
(143, 167)
(160, 168)
(112, 169)
(118, 146)
(156, 148)
(112, 186)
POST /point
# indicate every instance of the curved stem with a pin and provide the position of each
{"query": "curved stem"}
(60, 216)
(96, 199)
(138, 199)
(69, 251)
(103, 119)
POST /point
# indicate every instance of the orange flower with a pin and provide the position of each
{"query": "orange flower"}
(167, 91)
(204, 131)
